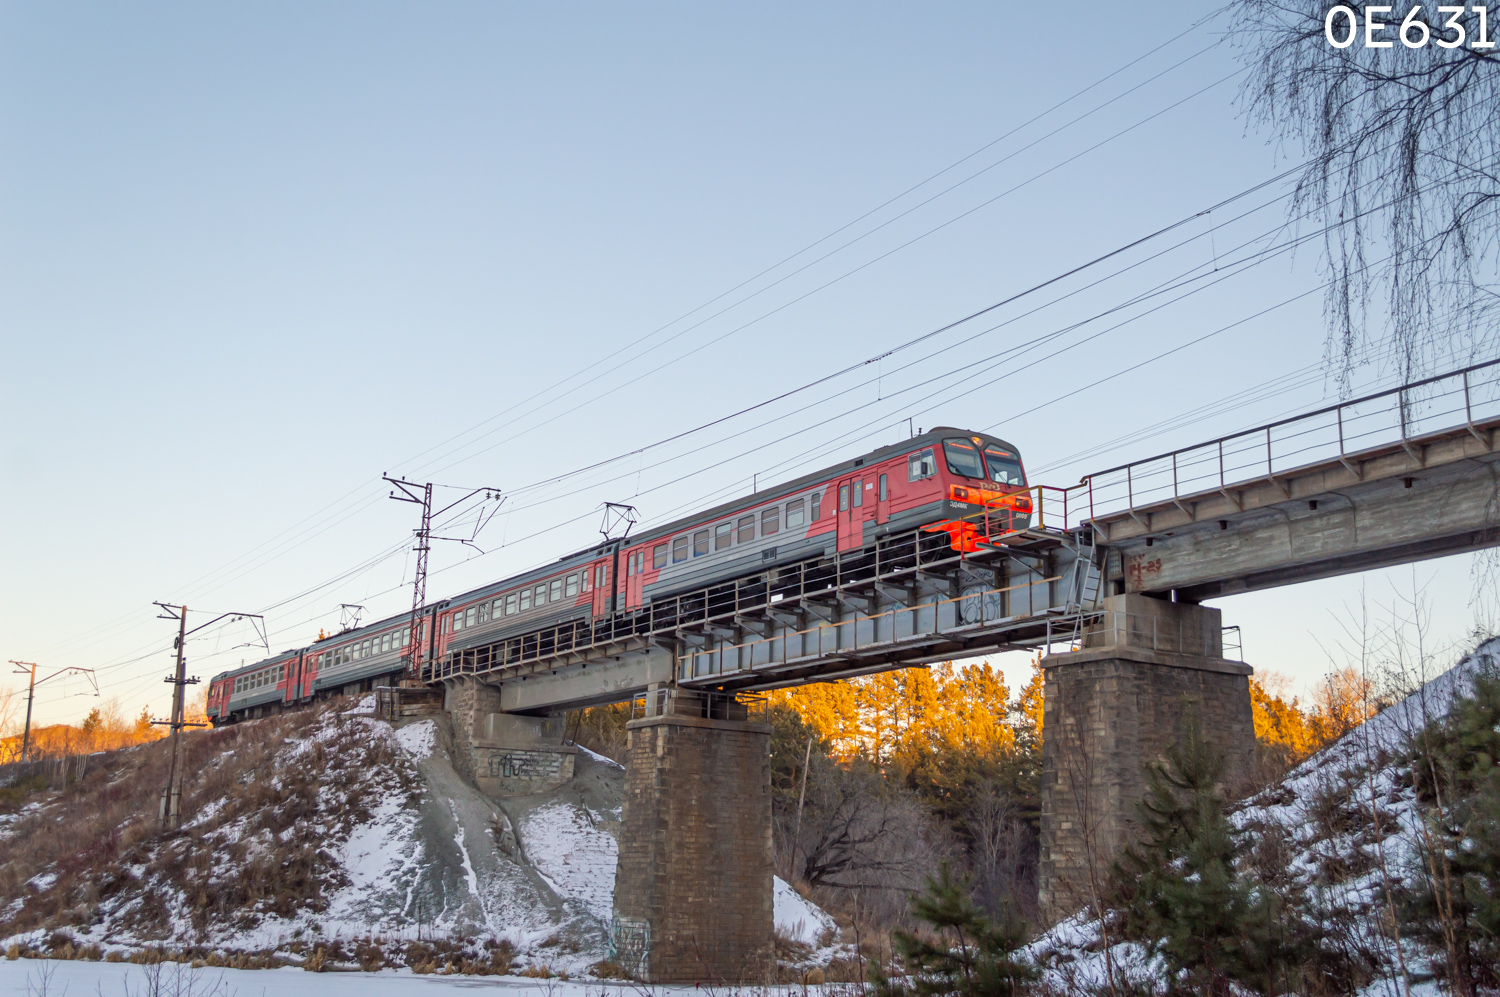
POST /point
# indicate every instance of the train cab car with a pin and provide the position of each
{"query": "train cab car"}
(942, 475)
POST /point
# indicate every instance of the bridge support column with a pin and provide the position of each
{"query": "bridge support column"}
(693, 893)
(1113, 708)
(505, 754)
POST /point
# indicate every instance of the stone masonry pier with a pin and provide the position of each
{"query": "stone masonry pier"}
(693, 889)
(1112, 709)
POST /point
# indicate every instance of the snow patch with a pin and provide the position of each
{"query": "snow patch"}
(418, 738)
(798, 918)
(566, 845)
(366, 706)
(604, 759)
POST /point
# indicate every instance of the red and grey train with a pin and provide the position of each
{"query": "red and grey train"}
(940, 476)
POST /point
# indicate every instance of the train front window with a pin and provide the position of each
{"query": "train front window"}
(963, 458)
(1004, 467)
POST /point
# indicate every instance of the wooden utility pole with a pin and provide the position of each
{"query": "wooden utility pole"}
(170, 812)
(21, 668)
(171, 803)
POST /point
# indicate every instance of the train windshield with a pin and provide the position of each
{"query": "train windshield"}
(1004, 467)
(963, 458)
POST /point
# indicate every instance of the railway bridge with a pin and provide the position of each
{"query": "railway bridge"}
(1108, 582)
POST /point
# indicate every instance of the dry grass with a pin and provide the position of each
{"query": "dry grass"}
(263, 799)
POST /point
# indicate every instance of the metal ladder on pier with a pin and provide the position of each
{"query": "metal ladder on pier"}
(1086, 579)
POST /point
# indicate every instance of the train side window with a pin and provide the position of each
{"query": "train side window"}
(746, 529)
(539, 595)
(884, 494)
(525, 600)
(859, 493)
(571, 589)
(770, 521)
(587, 576)
(482, 615)
(510, 604)
(700, 543)
(554, 590)
(843, 498)
(920, 465)
(794, 513)
(679, 550)
(659, 556)
(817, 506)
(469, 617)
(723, 535)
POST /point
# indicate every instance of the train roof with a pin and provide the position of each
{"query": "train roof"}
(919, 442)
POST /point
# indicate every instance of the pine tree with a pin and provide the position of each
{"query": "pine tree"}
(1184, 896)
(1454, 904)
(972, 956)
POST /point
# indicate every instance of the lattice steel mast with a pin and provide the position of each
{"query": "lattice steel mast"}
(421, 494)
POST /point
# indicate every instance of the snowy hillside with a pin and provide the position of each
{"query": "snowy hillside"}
(1341, 828)
(330, 836)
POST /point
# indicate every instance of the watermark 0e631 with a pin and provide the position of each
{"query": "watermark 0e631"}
(1383, 26)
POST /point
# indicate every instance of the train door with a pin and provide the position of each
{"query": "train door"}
(883, 496)
(602, 587)
(293, 680)
(851, 510)
(632, 587)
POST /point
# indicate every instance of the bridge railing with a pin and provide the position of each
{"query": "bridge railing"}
(1112, 628)
(1462, 398)
(901, 557)
(1151, 633)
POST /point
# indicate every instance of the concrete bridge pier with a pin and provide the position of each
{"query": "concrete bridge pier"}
(693, 887)
(1112, 708)
(507, 754)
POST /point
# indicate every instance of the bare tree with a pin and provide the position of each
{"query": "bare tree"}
(1409, 130)
(1003, 853)
(859, 832)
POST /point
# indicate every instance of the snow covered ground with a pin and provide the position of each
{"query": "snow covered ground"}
(1342, 871)
(428, 857)
(25, 978)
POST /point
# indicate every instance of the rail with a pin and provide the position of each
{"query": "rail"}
(1467, 398)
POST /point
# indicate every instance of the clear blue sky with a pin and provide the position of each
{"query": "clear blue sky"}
(252, 258)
